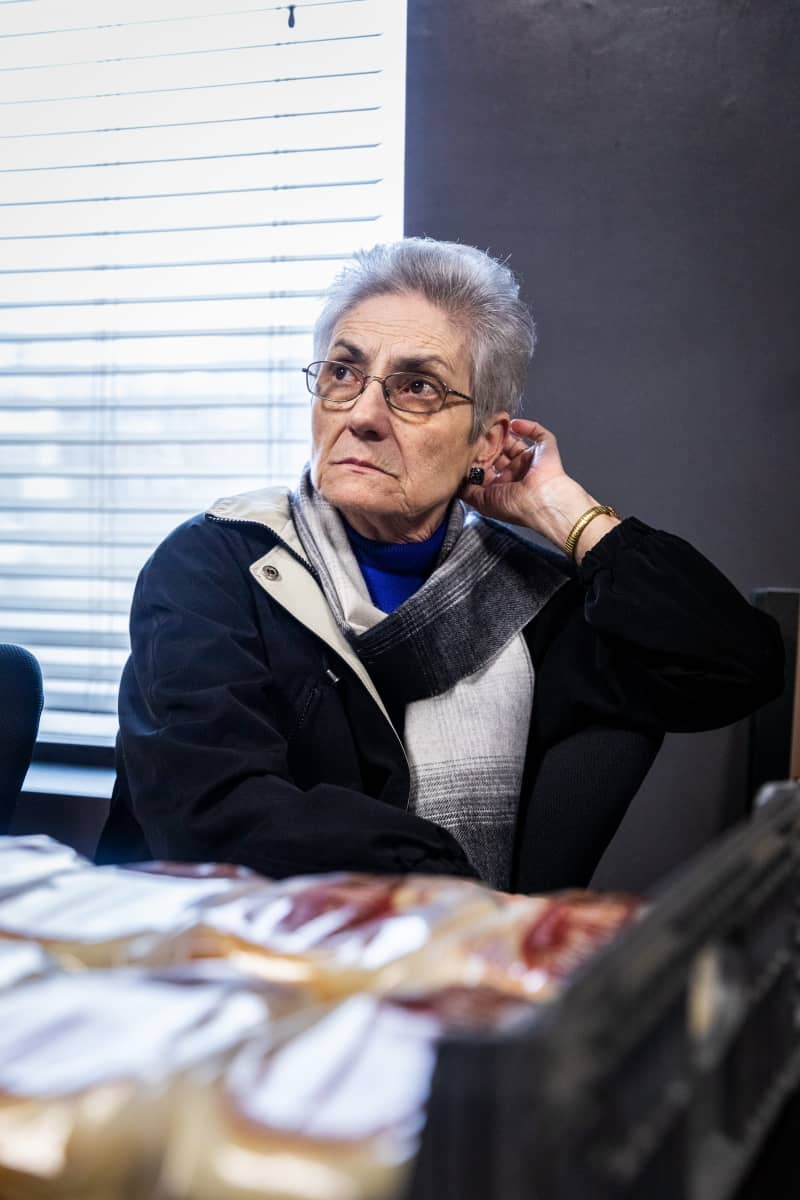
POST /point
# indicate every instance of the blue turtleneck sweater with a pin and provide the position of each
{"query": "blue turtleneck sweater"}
(393, 571)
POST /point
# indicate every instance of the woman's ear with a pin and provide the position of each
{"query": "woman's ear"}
(489, 444)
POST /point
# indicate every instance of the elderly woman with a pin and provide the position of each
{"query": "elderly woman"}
(374, 672)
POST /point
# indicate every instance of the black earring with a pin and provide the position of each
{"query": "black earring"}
(475, 475)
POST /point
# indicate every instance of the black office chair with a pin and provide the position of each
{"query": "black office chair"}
(21, 700)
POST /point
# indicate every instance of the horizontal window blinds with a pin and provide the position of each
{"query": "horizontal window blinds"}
(179, 182)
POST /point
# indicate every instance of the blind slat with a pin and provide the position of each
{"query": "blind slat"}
(162, 54)
(94, 233)
(276, 187)
(128, 23)
(199, 262)
(154, 404)
(192, 87)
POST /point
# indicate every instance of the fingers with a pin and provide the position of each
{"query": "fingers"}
(519, 449)
(533, 431)
(473, 495)
(541, 441)
(514, 463)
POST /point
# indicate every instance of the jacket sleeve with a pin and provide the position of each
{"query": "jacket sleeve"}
(651, 633)
(203, 738)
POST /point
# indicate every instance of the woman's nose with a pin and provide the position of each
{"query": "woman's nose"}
(370, 408)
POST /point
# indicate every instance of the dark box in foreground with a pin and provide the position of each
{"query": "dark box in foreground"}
(659, 1073)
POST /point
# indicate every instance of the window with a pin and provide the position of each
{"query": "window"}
(179, 182)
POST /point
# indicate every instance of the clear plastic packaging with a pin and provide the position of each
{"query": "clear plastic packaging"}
(340, 933)
(88, 1065)
(531, 945)
(27, 860)
(21, 961)
(105, 916)
(333, 1113)
(276, 1041)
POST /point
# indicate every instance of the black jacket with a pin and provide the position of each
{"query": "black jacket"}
(251, 733)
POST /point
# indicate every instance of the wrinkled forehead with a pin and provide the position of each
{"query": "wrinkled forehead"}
(401, 331)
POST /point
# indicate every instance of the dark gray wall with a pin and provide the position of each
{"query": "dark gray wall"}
(640, 164)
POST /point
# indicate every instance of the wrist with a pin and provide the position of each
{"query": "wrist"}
(602, 518)
(560, 505)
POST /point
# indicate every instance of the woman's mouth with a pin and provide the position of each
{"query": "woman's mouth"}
(360, 464)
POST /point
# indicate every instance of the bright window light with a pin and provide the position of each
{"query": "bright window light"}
(180, 180)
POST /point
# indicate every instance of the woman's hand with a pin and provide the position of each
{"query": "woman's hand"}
(528, 486)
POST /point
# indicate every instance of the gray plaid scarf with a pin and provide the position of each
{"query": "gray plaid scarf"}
(451, 666)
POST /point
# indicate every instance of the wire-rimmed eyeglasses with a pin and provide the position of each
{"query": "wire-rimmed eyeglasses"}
(407, 391)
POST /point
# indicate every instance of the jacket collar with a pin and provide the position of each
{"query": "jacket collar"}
(286, 576)
(267, 506)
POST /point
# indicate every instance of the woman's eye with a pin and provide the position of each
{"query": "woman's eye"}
(420, 386)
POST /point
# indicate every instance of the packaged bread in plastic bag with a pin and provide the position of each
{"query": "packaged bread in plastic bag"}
(338, 933)
(334, 1113)
(459, 1008)
(21, 961)
(532, 944)
(88, 1064)
(103, 916)
(28, 859)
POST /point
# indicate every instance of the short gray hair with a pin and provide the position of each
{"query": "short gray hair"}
(478, 292)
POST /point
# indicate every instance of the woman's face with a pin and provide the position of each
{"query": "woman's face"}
(393, 474)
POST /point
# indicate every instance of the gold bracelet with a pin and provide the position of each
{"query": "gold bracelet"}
(599, 510)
